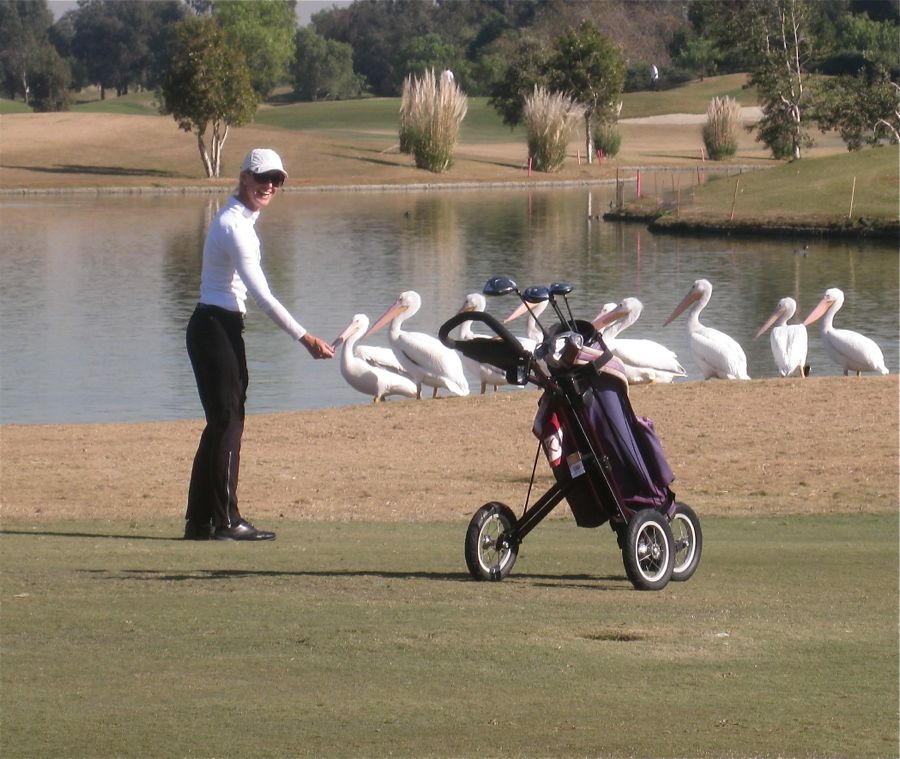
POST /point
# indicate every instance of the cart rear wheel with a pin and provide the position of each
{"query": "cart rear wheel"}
(491, 549)
(649, 551)
(688, 542)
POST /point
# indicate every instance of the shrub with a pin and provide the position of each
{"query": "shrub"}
(723, 123)
(775, 131)
(431, 111)
(550, 118)
(407, 125)
(607, 138)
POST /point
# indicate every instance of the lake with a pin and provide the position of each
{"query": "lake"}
(96, 290)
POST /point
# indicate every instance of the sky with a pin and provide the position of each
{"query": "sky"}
(305, 8)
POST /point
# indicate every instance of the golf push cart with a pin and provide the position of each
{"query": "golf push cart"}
(607, 462)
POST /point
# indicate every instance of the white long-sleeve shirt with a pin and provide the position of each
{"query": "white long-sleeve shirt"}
(231, 268)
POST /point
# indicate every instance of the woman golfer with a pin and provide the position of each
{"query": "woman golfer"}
(215, 344)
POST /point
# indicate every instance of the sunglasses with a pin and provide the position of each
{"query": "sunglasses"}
(275, 178)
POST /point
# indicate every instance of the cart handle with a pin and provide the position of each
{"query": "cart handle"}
(505, 353)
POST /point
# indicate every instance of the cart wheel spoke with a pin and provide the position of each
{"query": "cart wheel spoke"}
(491, 546)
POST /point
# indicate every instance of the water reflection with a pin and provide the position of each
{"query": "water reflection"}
(95, 292)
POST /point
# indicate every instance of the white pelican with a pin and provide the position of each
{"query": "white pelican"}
(644, 360)
(789, 341)
(848, 349)
(607, 307)
(486, 373)
(379, 356)
(633, 375)
(364, 376)
(427, 360)
(533, 331)
(717, 354)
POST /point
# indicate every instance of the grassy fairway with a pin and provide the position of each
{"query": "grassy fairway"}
(482, 122)
(370, 640)
(820, 188)
(124, 142)
(692, 97)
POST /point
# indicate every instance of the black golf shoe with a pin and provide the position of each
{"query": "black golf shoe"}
(242, 530)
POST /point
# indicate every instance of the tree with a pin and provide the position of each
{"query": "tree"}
(23, 41)
(525, 72)
(720, 31)
(875, 40)
(377, 30)
(264, 30)
(122, 44)
(432, 52)
(207, 87)
(696, 53)
(778, 37)
(51, 76)
(863, 109)
(62, 36)
(323, 69)
(589, 67)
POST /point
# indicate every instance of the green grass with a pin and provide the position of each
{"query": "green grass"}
(692, 97)
(356, 115)
(810, 187)
(376, 115)
(482, 123)
(126, 105)
(13, 106)
(370, 640)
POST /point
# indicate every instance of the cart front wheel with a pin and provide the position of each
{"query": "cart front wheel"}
(688, 542)
(491, 548)
(649, 551)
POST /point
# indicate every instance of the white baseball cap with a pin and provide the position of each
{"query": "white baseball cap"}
(262, 161)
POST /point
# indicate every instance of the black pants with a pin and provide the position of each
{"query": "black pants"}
(215, 345)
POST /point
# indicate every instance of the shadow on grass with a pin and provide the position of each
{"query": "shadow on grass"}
(707, 165)
(231, 574)
(517, 165)
(111, 171)
(364, 159)
(61, 534)
(411, 165)
(580, 580)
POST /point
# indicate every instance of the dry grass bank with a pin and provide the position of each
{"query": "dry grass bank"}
(41, 151)
(762, 447)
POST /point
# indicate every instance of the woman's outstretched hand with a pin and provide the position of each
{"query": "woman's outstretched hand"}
(317, 347)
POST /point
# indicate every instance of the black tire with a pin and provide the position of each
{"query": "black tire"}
(688, 542)
(649, 551)
(490, 549)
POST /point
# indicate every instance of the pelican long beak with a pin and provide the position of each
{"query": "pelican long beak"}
(605, 318)
(589, 354)
(690, 298)
(818, 311)
(522, 308)
(386, 317)
(348, 330)
(769, 322)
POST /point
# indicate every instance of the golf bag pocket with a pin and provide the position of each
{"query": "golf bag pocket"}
(641, 472)
(567, 463)
(548, 430)
(650, 446)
